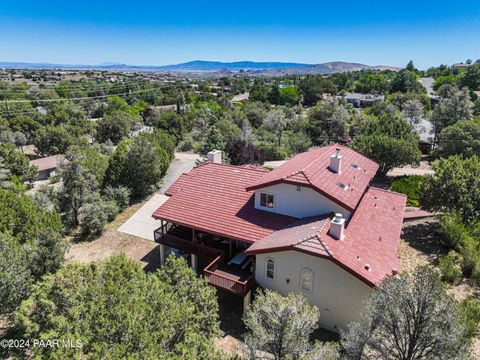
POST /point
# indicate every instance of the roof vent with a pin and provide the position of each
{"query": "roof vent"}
(336, 162)
(342, 185)
(337, 227)
(215, 156)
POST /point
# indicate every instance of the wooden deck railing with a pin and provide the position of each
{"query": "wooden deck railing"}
(224, 281)
(189, 246)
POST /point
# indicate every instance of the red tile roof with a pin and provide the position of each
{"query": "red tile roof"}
(311, 168)
(369, 249)
(48, 163)
(212, 198)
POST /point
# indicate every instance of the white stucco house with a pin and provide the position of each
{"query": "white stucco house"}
(313, 225)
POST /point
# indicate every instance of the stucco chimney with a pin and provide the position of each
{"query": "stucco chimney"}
(336, 162)
(215, 156)
(337, 227)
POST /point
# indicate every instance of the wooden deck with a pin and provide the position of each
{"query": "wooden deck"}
(229, 278)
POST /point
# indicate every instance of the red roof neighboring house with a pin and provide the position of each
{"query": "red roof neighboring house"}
(311, 169)
(369, 248)
(48, 163)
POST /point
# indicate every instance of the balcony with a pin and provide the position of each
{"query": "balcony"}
(216, 252)
(229, 278)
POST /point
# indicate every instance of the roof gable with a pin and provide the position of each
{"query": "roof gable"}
(369, 249)
(312, 169)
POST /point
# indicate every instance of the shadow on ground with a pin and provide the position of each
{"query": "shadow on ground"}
(427, 238)
(151, 259)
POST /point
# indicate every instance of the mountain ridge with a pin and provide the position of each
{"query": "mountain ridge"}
(249, 67)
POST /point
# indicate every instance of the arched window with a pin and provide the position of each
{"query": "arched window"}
(270, 268)
(306, 280)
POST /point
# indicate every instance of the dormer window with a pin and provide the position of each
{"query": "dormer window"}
(267, 200)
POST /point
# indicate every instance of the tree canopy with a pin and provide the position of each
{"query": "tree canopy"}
(116, 310)
(455, 186)
(409, 317)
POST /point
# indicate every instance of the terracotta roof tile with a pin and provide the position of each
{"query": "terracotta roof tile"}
(312, 168)
(212, 197)
(371, 237)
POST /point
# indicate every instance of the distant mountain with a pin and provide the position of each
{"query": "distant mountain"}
(212, 68)
(201, 65)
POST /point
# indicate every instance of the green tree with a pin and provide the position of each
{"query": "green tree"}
(406, 81)
(53, 140)
(78, 183)
(371, 83)
(327, 122)
(117, 311)
(37, 230)
(277, 122)
(409, 317)
(96, 212)
(17, 163)
(455, 186)
(115, 126)
(454, 106)
(280, 325)
(15, 277)
(274, 95)
(389, 140)
(461, 138)
(312, 87)
(140, 177)
(289, 96)
(213, 139)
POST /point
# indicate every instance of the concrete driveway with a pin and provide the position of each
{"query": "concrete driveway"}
(142, 224)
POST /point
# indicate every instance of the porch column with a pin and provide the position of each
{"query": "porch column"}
(194, 262)
(162, 254)
(246, 301)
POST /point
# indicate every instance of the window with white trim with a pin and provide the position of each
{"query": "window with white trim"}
(306, 280)
(270, 268)
(267, 200)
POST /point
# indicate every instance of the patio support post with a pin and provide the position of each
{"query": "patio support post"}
(194, 262)
(162, 254)
(246, 301)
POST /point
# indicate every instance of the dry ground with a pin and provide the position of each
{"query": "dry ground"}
(421, 244)
(112, 242)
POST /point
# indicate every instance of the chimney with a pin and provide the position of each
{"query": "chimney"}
(215, 156)
(337, 226)
(336, 162)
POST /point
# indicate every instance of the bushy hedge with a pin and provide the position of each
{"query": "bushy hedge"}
(410, 186)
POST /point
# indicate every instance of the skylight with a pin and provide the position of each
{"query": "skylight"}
(355, 166)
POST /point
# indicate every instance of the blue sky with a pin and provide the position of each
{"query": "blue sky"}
(156, 33)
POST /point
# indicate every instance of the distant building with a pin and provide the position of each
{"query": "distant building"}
(47, 166)
(363, 100)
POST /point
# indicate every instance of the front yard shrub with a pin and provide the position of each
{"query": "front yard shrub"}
(451, 272)
(470, 307)
(410, 186)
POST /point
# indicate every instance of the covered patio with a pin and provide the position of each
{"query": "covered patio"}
(222, 259)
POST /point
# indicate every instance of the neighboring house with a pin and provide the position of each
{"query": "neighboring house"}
(363, 100)
(47, 166)
(240, 98)
(313, 225)
(425, 133)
